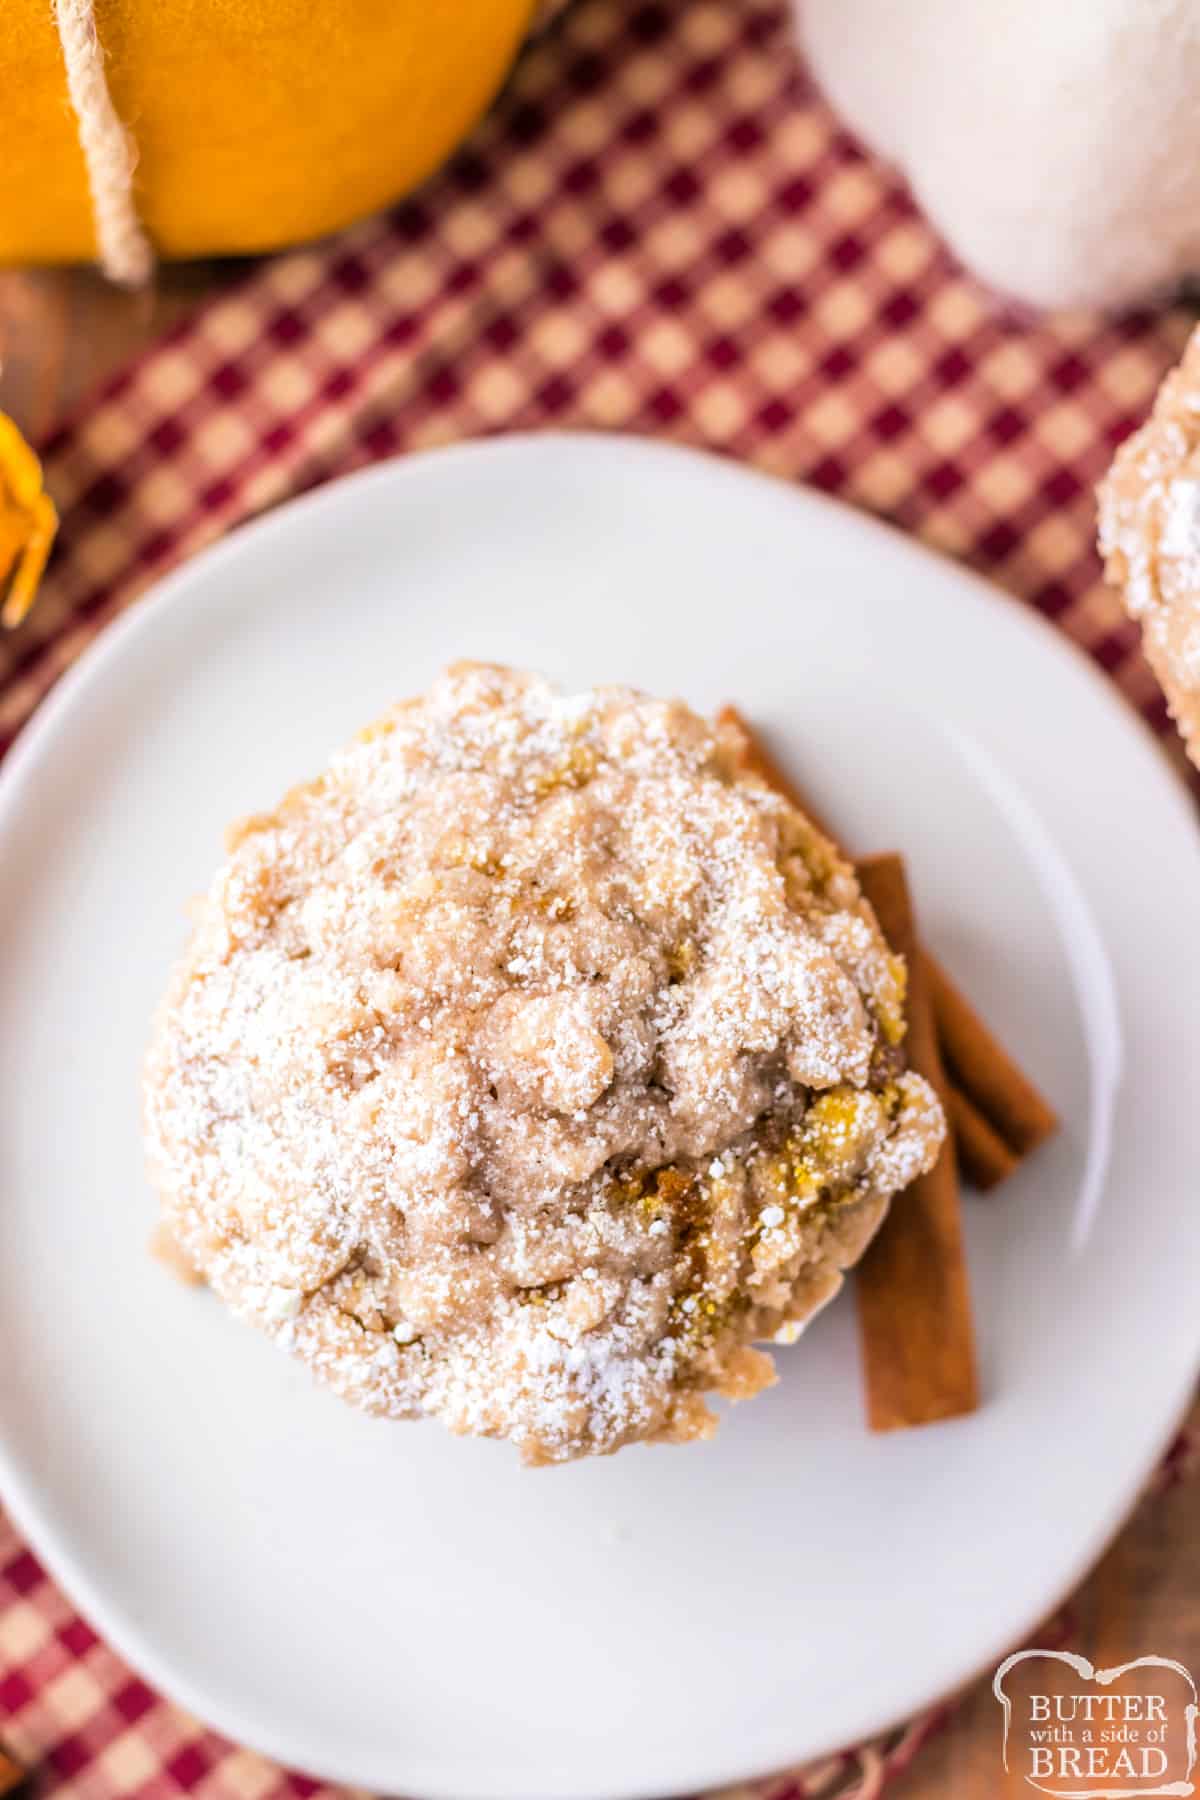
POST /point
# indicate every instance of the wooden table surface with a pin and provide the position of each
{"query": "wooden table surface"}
(60, 333)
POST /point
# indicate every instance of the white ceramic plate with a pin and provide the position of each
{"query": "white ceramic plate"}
(388, 1606)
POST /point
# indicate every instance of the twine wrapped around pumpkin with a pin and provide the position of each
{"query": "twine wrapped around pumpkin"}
(122, 246)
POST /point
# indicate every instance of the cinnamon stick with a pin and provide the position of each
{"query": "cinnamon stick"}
(914, 1302)
(913, 1295)
(757, 759)
(11, 1774)
(982, 1069)
(984, 1157)
(997, 1114)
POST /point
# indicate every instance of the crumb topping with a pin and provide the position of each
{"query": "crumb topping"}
(530, 1065)
(1150, 538)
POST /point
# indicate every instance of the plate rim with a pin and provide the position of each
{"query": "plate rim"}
(173, 591)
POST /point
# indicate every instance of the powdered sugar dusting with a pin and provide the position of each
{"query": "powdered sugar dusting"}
(529, 1065)
(1150, 537)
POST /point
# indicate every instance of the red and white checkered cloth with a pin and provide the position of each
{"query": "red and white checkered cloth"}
(660, 229)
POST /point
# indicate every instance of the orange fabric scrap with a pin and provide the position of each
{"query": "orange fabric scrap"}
(28, 523)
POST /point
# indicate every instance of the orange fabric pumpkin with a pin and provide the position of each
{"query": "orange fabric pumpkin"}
(255, 123)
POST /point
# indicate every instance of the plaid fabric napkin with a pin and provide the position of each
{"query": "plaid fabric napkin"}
(659, 229)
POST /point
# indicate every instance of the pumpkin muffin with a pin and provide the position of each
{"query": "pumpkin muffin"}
(1150, 539)
(530, 1066)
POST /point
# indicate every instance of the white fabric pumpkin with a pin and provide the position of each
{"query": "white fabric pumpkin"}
(1055, 143)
